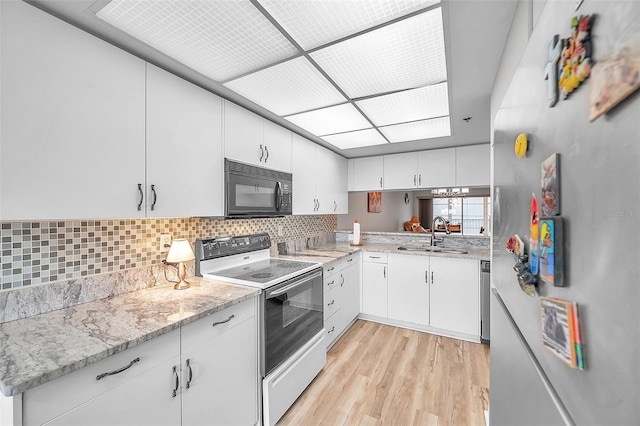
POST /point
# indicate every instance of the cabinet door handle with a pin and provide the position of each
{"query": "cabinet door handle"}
(331, 303)
(380, 182)
(190, 373)
(384, 272)
(224, 321)
(414, 180)
(261, 152)
(155, 197)
(119, 370)
(266, 150)
(419, 180)
(175, 389)
(426, 277)
(342, 280)
(141, 196)
(318, 209)
(335, 206)
(431, 277)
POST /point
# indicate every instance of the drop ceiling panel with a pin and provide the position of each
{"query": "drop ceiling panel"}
(404, 55)
(326, 121)
(220, 39)
(313, 23)
(288, 88)
(424, 129)
(409, 105)
(356, 139)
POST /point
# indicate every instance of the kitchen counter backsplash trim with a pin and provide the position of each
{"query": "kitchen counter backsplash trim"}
(466, 242)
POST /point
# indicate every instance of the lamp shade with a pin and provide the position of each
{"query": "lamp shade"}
(180, 251)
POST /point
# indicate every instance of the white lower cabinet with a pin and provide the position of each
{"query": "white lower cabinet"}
(455, 295)
(374, 284)
(201, 374)
(341, 296)
(408, 292)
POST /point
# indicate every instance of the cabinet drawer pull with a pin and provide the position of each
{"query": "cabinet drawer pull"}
(175, 373)
(331, 283)
(120, 370)
(155, 197)
(190, 373)
(331, 303)
(331, 269)
(141, 196)
(374, 257)
(332, 329)
(350, 259)
(222, 322)
(266, 150)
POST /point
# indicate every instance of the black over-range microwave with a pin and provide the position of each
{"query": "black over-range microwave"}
(252, 191)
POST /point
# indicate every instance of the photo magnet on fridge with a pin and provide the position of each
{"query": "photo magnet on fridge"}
(550, 186)
(551, 256)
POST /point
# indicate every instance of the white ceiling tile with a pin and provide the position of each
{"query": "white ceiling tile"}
(326, 121)
(288, 88)
(313, 23)
(409, 105)
(405, 55)
(425, 129)
(355, 139)
(220, 39)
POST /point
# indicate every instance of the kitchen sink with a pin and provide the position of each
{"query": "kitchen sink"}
(433, 249)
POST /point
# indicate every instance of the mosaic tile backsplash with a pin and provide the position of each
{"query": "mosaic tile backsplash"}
(43, 252)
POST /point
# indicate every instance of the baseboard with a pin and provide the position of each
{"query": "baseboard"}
(422, 328)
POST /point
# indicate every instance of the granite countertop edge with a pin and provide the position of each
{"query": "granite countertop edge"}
(39, 366)
(332, 252)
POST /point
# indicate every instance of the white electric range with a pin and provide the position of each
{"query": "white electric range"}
(291, 344)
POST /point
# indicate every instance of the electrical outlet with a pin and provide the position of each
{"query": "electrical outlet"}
(279, 230)
(165, 242)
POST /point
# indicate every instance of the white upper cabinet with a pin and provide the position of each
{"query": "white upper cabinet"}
(73, 121)
(319, 179)
(331, 182)
(251, 139)
(473, 165)
(184, 148)
(277, 147)
(366, 174)
(437, 168)
(401, 171)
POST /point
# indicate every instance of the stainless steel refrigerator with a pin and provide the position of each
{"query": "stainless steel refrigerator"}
(599, 203)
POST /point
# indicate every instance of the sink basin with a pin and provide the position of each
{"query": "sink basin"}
(433, 249)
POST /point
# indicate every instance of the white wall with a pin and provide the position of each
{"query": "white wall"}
(391, 219)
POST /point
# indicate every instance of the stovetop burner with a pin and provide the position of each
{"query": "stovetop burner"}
(262, 275)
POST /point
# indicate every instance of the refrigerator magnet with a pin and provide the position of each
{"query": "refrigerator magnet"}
(551, 256)
(521, 145)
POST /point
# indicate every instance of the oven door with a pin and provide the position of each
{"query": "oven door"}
(292, 316)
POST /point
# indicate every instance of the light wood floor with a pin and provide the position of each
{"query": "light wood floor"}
(382, 375)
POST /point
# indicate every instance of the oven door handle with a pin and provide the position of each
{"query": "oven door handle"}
(279, 291)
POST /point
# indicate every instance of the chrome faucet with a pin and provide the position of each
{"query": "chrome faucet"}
(435, 240)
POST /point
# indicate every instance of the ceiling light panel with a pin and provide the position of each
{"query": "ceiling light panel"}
(336, 119)
(220, 39)
(425, 129)
(356, 139)
(313, 23)
(404, 55)
(409, 105)
(288, 88)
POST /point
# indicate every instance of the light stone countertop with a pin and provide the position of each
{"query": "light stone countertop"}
(330, 252)
(41, 348)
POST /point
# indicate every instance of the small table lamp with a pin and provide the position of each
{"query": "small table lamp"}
(180, 252)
